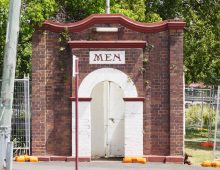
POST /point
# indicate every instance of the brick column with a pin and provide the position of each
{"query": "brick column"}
(39, 93)
(147, 106)
(176, 92)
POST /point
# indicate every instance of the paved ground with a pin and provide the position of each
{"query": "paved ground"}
(97, 165)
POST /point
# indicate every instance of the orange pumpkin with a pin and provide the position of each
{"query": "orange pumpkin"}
(20, 159)
(141, 160)
(27, 157)
(127, 160)
(134, 159)
(206, 163)
(217, 164)
(213, 163)
(33, 159)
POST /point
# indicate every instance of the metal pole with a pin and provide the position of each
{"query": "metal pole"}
(9, 156)
(202, 109)
(8, 77)
(107, 6)
(216, 124)
(27, 114)
(76, 110)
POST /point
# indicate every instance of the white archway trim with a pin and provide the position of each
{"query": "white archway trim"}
(107, 74)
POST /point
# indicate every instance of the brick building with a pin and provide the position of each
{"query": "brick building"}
(130, 88)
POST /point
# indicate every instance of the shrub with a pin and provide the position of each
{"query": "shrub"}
(195, 116)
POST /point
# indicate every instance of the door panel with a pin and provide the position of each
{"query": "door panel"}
(107, 120)
(116, 121)
(97, 122)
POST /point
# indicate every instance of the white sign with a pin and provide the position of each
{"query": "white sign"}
(107, 57)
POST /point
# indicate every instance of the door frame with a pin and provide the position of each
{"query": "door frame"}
(133, 112)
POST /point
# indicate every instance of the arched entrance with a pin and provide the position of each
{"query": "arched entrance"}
(107, 120)
(109, 116)
(107, 74)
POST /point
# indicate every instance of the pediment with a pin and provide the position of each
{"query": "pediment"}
(114, 19)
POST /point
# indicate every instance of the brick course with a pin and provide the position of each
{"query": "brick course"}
(160, 83)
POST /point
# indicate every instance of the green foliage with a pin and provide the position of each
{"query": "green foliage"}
(133, 9)
(201, 45)
(75, 10)
(37, 11)
(167, 9)
(194, 118)
(4, 5)
(33, 13)
(198, 134)
(202, 41)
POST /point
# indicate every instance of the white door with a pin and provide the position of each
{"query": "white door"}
(107, 120)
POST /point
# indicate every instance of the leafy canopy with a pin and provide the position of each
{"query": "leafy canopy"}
(202, 34)
(201, 37)
(34, 12)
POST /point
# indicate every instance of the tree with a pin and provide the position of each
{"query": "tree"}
(4, 5)
(202, 41)
(34, 12)
(75, 10)
(201, 38)
(202, 34)
(167, 9)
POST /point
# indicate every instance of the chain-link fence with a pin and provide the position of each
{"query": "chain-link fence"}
(21, 125)
(200, 106)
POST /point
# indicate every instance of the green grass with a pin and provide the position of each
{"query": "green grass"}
(196, 146)
(198, 156)
(198, 134)
(198, 153)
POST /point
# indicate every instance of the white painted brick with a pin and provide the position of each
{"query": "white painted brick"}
(109, 74)
(84, 129)
(134, 128)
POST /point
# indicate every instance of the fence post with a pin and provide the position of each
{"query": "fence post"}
(27, 113)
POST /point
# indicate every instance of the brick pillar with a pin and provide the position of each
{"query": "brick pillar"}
(147, 106)
(39, 93)
(176, 92)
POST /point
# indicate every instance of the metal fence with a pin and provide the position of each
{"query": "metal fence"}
(200, 106)
(21, 125)
(199, 100)
(200, 96)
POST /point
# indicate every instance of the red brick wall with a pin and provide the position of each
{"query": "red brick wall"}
(51, 88)
(156, 120)
(176, 92)
(161, 84)
(38, 94)
(132, 68)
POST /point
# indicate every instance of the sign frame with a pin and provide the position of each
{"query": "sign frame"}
(106, 57)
